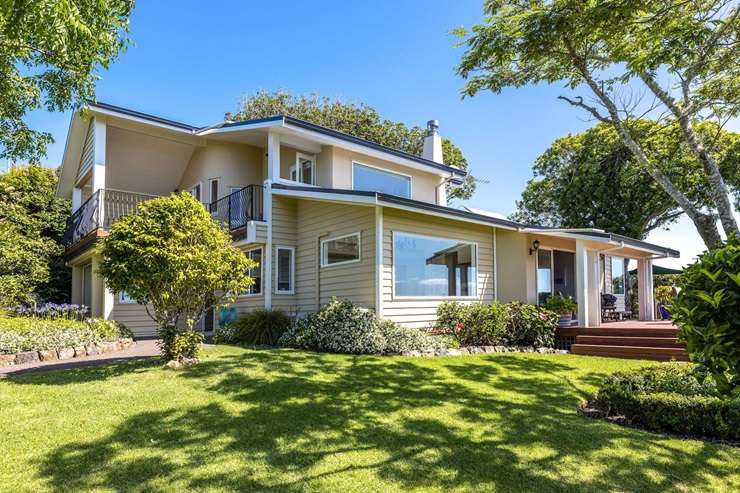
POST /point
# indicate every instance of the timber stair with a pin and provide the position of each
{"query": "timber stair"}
(658, 343)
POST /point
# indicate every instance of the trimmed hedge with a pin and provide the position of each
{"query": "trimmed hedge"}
(669, 397)
(18, 334)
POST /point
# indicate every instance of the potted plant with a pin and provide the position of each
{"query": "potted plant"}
(563, 306)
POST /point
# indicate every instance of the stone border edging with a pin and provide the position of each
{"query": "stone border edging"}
(482, 349)
(91, 349)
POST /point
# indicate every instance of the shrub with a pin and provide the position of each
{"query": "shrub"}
(514, 323)
(341, 327)
(707, 310)
(186, 345)
(34, 334)
(530, 325)
(51, 310)
(562, 305)
(260, 327)
(670, 397)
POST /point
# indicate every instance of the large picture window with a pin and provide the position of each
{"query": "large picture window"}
(617, 275)
(255, 273)
(425, 266)
(285, 271)
(340, 250)
(372, 179)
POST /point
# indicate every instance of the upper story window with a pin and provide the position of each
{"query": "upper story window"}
(304, 169)
(373, 179)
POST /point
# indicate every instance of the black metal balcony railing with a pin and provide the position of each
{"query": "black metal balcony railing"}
(100, 211)
(240, 207)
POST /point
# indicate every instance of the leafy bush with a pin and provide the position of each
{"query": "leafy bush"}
(186, 345)
(19, 334)
(670, 397)
(707, 310)
(341, 327)
(664, 294)
(515, 323)
(260, 327)
(51, 310)
(530, 325)
(562, 305)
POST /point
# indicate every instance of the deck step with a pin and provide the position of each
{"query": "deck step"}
(630, 332)
(636, 352)
(629, 341)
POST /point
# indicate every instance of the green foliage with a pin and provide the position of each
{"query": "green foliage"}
(260, 327)
(50, 51)
(32, 334)
(664, 295)
(707, 310)
(359, 120)
(670, 397)
(515, 324)
(173, 257)
(186, 345)
(592, 180)
(562, 305)
(341, 327)
(32, 222)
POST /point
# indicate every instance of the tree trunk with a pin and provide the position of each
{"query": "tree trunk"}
(717, 185)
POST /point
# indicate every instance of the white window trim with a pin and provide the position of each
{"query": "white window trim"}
(411, 178)
(345, 262)
(611, 273)
(418, 297)
(122, 301)
(210, 189)
(298, 170)
(262, 273)
(190, 190)
(292, 269)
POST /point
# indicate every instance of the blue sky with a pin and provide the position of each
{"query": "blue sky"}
(193, 63)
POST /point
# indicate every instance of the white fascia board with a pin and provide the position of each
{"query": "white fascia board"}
(72, 154)
(327, 197)
(144, 121)
(454, 217)
(240, 128)
(584, 236)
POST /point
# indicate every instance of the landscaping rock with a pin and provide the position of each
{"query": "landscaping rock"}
(66, 353)
(80, 351)
(7, 359)
(91, 349)
(410, 353)
(126, 342)
(488, 349)
(48, 355)
(500, 349)
(183, 363)
(27, 357)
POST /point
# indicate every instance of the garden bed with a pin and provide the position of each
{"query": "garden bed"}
(90, 349)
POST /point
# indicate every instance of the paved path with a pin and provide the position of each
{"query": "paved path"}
(142, 349)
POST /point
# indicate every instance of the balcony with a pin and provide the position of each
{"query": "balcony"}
(105, 206)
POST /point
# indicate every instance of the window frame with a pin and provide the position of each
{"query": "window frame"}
(611, 275)
(200, 191)
(383, 170)
(277, 290)
(344, 262)
(299, 171)
(422, 297)
(211, 181)
(262, 272)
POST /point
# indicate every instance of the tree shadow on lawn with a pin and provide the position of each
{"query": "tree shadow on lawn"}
(296, 420)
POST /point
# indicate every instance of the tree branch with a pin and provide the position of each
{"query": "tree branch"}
(591, 109)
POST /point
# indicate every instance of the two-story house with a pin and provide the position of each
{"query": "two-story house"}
(326, 214)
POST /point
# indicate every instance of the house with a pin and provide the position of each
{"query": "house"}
(327, 214)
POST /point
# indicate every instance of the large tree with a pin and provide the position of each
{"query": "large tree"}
(34, 216)
(49, 53)
(592, 180)
(356, 119)
(685, 53)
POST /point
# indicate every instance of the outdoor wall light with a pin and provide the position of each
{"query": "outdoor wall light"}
(535, 246)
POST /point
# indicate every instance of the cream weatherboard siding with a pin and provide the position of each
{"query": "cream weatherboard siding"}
(134, 317)
(88, 153)
(302, 224)
(422, 312)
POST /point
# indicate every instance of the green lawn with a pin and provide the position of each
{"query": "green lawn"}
(280, 420)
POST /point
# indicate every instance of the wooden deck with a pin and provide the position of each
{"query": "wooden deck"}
(654, 340)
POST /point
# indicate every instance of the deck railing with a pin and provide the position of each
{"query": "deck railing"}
(100, 211)
(238, 208)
